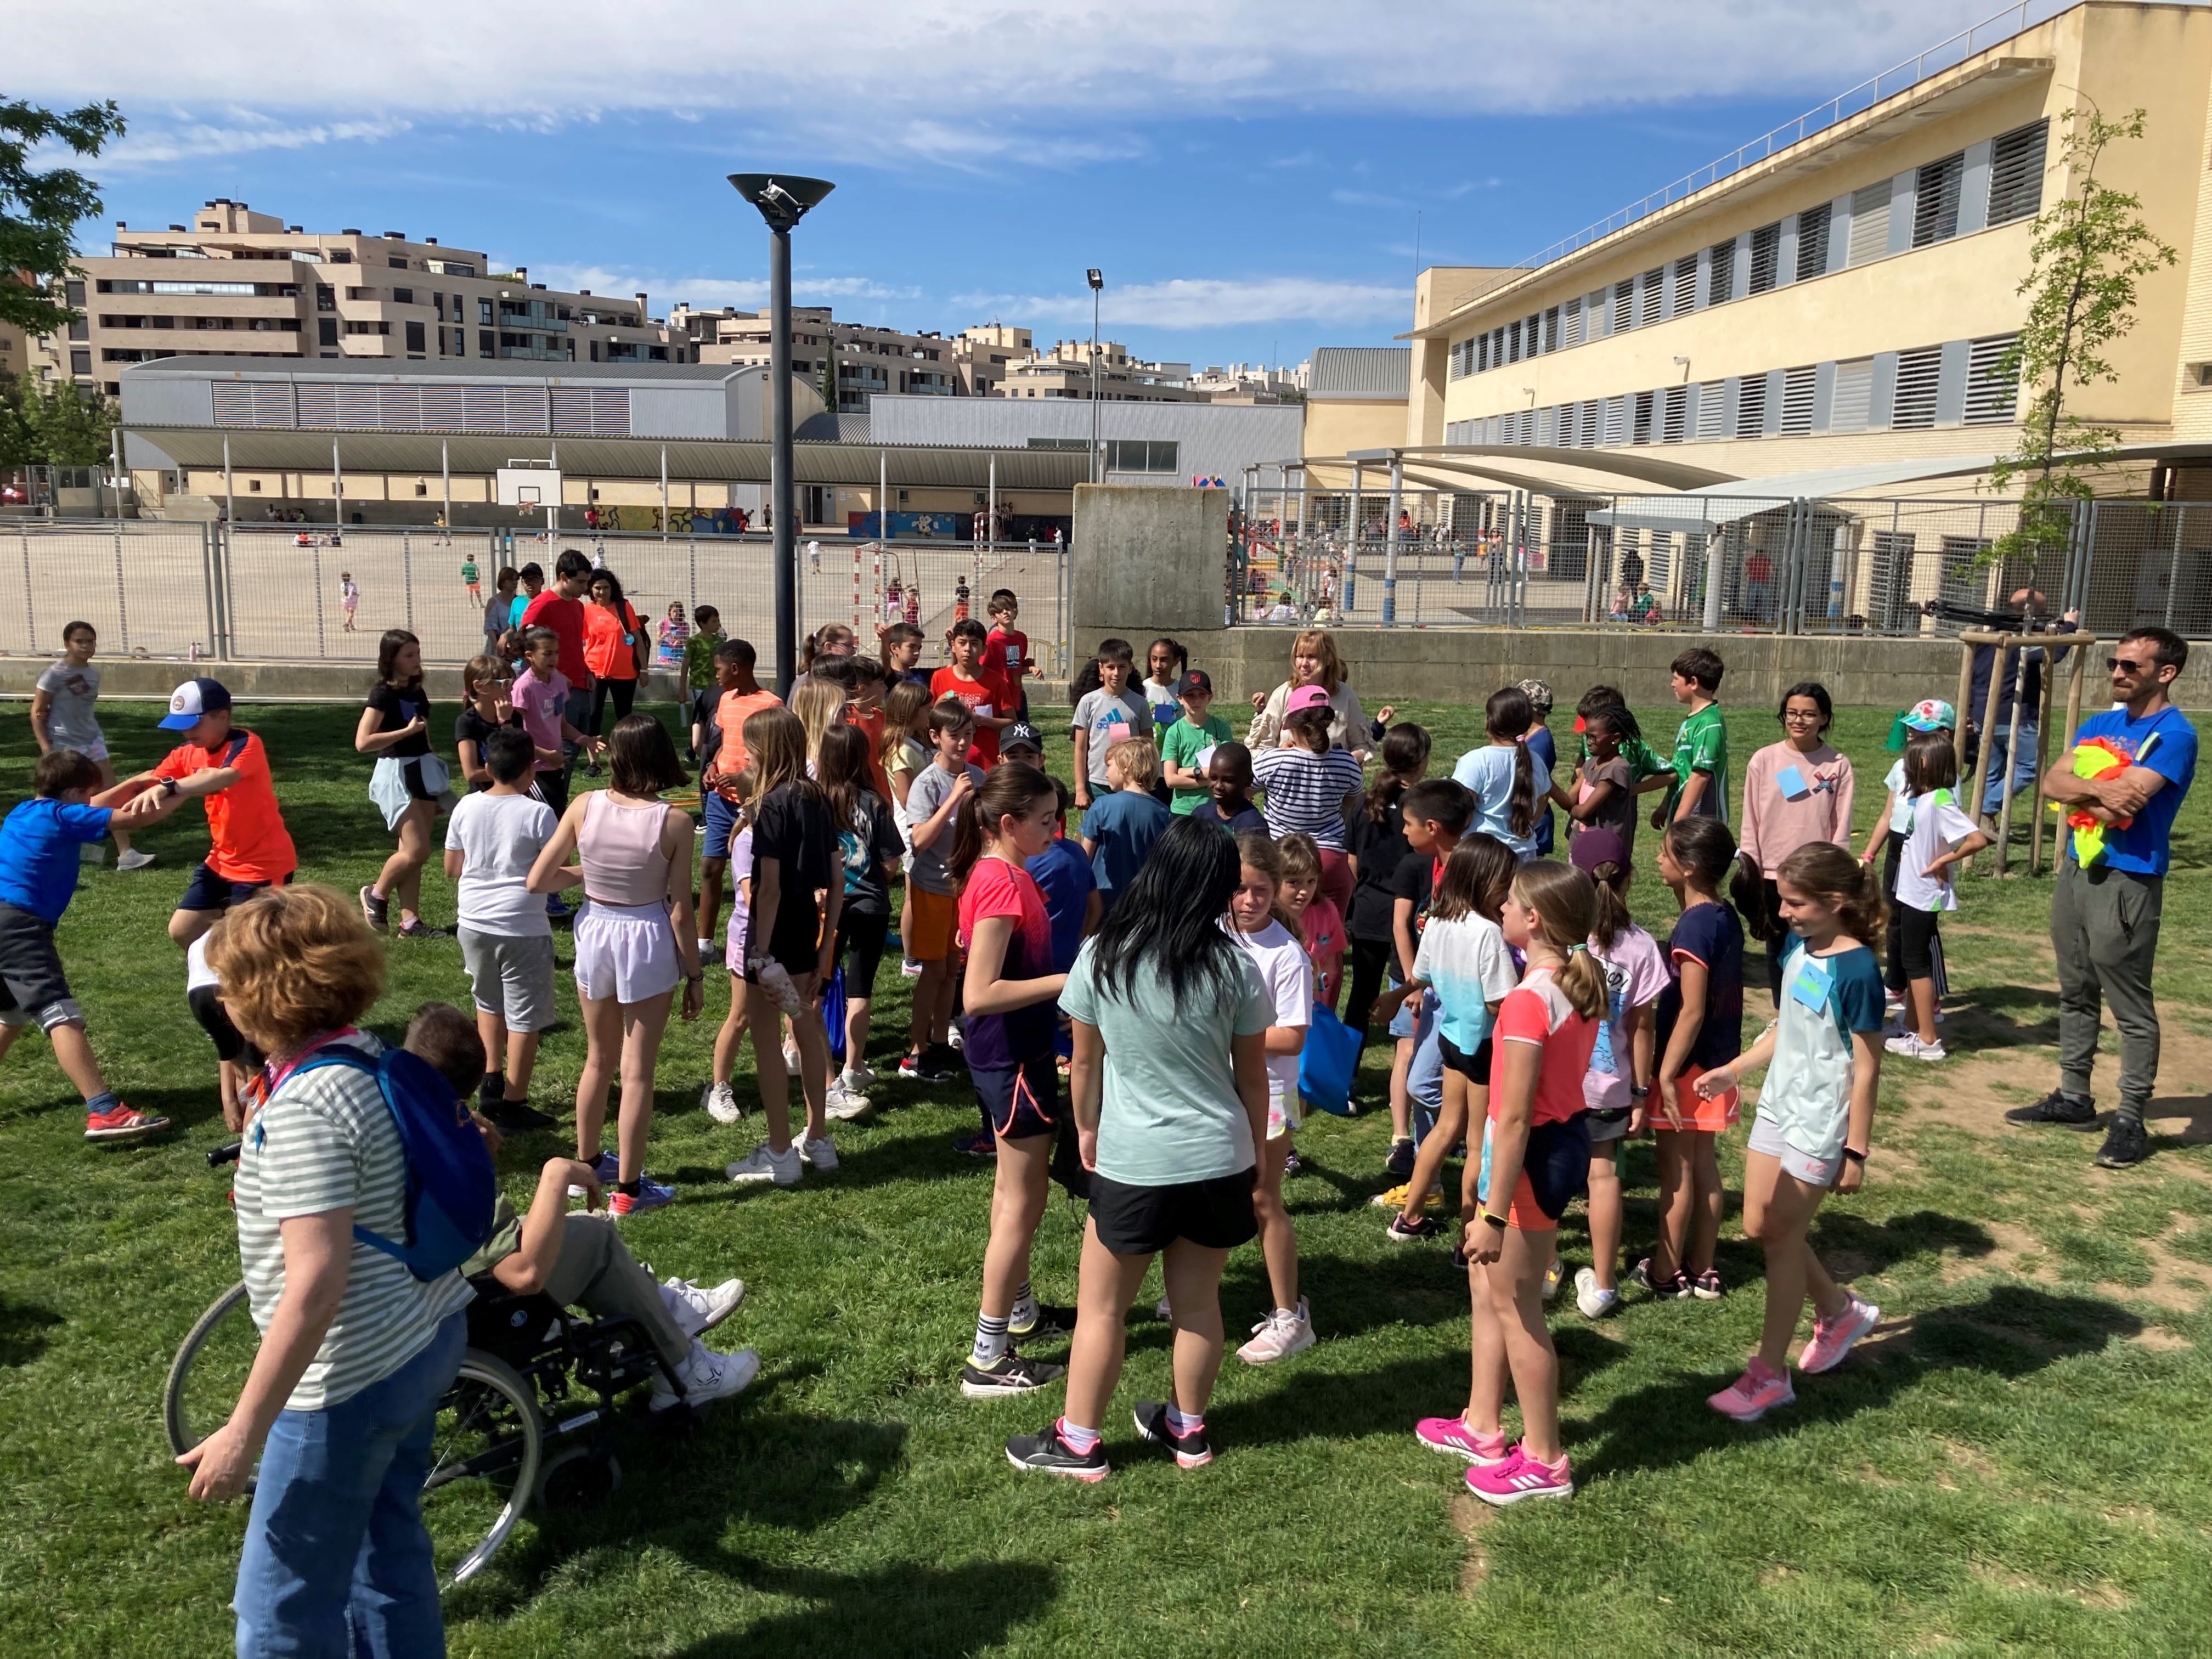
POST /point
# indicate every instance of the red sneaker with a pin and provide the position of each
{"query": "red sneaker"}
(122, 1124)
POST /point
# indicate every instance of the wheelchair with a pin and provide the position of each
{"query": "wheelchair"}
(521, 1423)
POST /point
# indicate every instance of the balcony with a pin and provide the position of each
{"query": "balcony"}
(538, 317)
(525, 347)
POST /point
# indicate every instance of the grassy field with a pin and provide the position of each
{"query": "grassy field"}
(2019, 1462)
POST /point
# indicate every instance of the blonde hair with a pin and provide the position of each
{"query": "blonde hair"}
(819, 702)
(1299, 856)
(1320, 643)
(1137, 762)
(295, 961)
(1564, 900)
(1256, 851)
(776, 751)
(906, 711)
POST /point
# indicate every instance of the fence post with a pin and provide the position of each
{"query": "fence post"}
(210, 539)
(322, 645)
(407, 575)
(2012, 756)
(2173, 565)
(1350, 545)
(1713, 556)
(122, 598)
(30, 608)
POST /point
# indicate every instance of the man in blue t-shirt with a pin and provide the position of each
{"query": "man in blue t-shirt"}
(2104, 917)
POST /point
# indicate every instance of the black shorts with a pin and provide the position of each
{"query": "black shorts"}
(206, 1002)
(860, 946)
(1555, 1167)
(796, 947)
(1144, 1220)
(207, 891)
(1915, 942)
(32, 986)
(1474, 1067)
(1021, 1101)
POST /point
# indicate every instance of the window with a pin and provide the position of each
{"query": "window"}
(1672, 410)
(484, 310)
(1992, 387)
(1812, 240)
(1497, 346)
(1797, 402)
(368, 328)
(1653, 284)
(1551, 329)
(2016, 172)
(1591, 415)
(1722, 289)
(1869, 224)
(416, 338)
(1917, 375)
(1713, 410)
(396, 263)
(1639, 425)
(1141, 455)
(1751, 406)
(1935, 200)
(403, 297)
(1513, 343)
(1685, 286)
(1765, 257)
(1080, 445)
(487, 341)
(1570, 329)
(80, 361)
(1851, 409)
(326, 330)
(325, 299)
(1482, 354)
(1616, 420)
(1623, 306)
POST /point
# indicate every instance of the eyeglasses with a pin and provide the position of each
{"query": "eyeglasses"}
(1797, 716)
(2123, 665)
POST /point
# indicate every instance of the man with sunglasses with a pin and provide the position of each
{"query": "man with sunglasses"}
(2104, 919)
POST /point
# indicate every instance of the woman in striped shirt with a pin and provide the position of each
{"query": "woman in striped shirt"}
(1308, 783)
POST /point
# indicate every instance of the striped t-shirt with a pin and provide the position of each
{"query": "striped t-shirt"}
(1306, 792)
(326, 1141)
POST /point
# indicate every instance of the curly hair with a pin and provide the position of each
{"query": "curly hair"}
(295, 961)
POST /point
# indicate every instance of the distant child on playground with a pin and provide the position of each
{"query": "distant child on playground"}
(932, 802)
(1941, 835)
(699, 647)
(1887, 839)
(349, 598)
(62, 717)
(1007, 648)
(738, 697)
(472, 578)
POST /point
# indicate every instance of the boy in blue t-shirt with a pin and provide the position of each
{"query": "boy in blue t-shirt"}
(39, 844)
(1072, 901)
(1121, 824)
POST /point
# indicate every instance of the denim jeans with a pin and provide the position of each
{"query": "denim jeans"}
(2020, 742)
(337, 1562)
(1424, 1080)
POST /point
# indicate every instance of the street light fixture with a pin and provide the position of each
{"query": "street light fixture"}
(1097, 280)
(783, 200)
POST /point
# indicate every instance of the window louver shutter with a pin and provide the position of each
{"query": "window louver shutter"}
(319, 404)
(1711, 410)
(1812, 225)
(1935, 200)
(1590, 418)
(1685, 286)
(399, 408)
(1640, 427)
(1513, 343)
(1765, 257)
(1797, 402)
(1869, 224)
(1616, 420)
(1654, 283)
(1917, 375)
(1571, 332)
(1750, 407)
(1673, 408)
(1623, 306)
(1722, 289)
(1551, 329)
(1853, 408)
(1992, 395)
(2016, 172)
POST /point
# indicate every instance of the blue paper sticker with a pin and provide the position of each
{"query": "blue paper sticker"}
(1791, 783)
(1809, 984)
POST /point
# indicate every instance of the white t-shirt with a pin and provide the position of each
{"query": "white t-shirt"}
(1286, 972)
(69, 719)
(1900, 814)
(197, 971)
(499, 837)
(1938, 825)
(1467, 959)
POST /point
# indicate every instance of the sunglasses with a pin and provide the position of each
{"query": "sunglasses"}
(2126, 666)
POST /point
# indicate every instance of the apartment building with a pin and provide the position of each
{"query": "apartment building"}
(1065, 372)
(238, 283)
(1848, 297)
(869, 360)
(988, 353)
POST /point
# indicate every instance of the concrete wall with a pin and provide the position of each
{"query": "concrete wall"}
(1147, 559)
(124, 679)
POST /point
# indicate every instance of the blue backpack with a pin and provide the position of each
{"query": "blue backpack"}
(452, 1192)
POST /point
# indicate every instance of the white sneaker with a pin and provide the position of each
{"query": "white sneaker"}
(706, 949)
(1912, 1048)
(761, 1164)
(707, 1375)
(909, 968)
(861, 1078)
(1593, 1298)
(722, 1104)
(844, 1102)
(790, 1061)
(822, 1154)
(1164, 1311)
(697, 1308)
(1280, 1334)
(954, 1036)
(135, 859)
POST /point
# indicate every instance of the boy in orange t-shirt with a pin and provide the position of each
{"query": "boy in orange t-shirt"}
(742, 698)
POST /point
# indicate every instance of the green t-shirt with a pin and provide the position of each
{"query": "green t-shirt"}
(1701, 746)
(699, 660)
(505, 1239)
(1643, 760)
(469, 574)
(1180, 742)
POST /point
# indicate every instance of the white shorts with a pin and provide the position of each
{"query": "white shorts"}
(1766, 1137)
(95, 750)
(626, 951)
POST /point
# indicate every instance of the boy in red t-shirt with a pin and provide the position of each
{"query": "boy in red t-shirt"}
(988, 695)
(1007, 648)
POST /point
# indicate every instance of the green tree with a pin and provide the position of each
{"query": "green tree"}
(69, 425)
(2091, 251)
(39, 210)
(830, 380)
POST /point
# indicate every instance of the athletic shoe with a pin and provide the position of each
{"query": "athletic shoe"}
(2068, 1111)
(1707, 1286)
(1280, 1334)
(376, 912)
(707, 1375)
(1596, 1300)
(1010, 1373)
(696, 1307)
(954, 1036)
(1051, 1321)
(722, 1104)
(1399, 1165)
(790, 1059)
(1048, 1454)
(1832, 1339)
(518, 1116)
(822, 1154)
(556, 907)
(1400, 1232)
(861, 1078)
(1190, 1446)
(1396, 1199)
(651, 1195)
(419, 929)
(123, 1123)
(1292, 1163)
(1552, 1275)
(1755, 1394)
(976, 1142)
(706, 945)
(1911, 1048)
(1521, 1476)
(909, 968)
(1452, 1435)
(135, 859)
(607, 1167)
(761, 1164)
(926, 1067)
(2125, 1146)
(1671, 1289)
(842, 1103)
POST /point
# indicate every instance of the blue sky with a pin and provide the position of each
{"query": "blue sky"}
(1250, 177)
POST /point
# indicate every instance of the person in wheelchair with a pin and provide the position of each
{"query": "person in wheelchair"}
(580, 1259)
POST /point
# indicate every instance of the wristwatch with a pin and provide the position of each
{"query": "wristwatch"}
(1635, 1093)
(169, 786)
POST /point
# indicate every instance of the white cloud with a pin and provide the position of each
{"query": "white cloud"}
(1201, 303)
(707, 293)
(156, 144)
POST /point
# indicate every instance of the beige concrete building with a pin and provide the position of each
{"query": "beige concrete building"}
(1065, 372)
(238, 283)
(869, 360)
(986, 353)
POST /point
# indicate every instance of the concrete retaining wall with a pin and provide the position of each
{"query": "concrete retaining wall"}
(129, 679)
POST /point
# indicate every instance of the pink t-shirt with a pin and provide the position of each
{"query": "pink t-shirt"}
(541, 703)
(1635, 975)
(1537, 1010)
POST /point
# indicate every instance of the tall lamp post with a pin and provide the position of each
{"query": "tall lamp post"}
(783, 201)
(1097, 280)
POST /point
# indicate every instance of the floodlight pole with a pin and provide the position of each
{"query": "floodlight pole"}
(1097, 280)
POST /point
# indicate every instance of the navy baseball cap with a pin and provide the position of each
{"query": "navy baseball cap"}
(1021, 735)
(1196, 680)
(193, 699)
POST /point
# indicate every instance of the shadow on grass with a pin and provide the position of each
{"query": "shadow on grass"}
(1985, 1018)
(2012, 1332)
(2180, 1121)
(903, 1612)
(23, 1328)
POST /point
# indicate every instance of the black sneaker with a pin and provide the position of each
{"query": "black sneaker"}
(1008, 1374)
(2125, 1146)
(1399, 1166)
(374, 910)
(517, 1117)
(1050, 1321)
(1292, 1164)
(2071, 1111)
(1400, 1230)
(1048, 1454)
(1191, 1449)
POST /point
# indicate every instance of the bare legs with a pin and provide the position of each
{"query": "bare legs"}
(1109, 1284)
(932, 1006)
(813, 1041)
(72, 1053)
(624, 1037)
(401, 875)
(1018, 1192)
(514, 1053)
(1279, 1239)
(1511, 1337)
(1603, 1207)
(732, 1034)
(1689, 1203)
(1437, 1145)
(1778, 1210)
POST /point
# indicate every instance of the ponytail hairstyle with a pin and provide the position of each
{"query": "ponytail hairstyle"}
(1405, 756)
(1176, 649)
(1257, 851)
(1506, 718)
(1612, 917)
(776, 753)
(1564, 900)
(1827, 872)
(1310, 727)
(841, 766)
(1476, 879)
(1006, 792)
(817, 645)
(1931, 763)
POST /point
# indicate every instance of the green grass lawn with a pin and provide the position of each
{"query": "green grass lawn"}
(2020, 1463)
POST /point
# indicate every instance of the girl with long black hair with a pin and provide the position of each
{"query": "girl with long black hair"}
(409, 784)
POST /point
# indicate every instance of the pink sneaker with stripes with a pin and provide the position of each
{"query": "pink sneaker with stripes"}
(1451, 1434)
(1755, 1394)
(1521, 1476)
(1832, 1339)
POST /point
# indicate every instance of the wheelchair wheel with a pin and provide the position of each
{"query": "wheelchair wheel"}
(209, 1371)
(483, 1465)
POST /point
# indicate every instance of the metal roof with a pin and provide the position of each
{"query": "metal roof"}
(1724, 503)
(832, 428)
(433, 368)
(1381, 372)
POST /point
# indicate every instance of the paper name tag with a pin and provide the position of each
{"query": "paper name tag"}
(1791, 783)
(1809, 984)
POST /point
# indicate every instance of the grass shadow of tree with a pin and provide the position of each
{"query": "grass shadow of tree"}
(23, 1328)
(906, 1611)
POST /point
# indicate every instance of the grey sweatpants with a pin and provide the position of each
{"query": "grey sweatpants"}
(595, 1271)
(2104, 931)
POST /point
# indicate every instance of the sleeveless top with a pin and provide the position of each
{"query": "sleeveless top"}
(620, 848)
